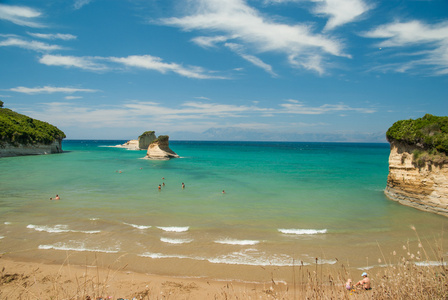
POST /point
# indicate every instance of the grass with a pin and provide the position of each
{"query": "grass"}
(406, 273)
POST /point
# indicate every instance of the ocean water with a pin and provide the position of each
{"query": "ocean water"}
(284, 204)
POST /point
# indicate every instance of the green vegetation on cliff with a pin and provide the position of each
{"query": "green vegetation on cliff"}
(161, 139)
(18, 129)
(428, 134)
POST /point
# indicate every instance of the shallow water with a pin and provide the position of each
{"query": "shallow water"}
(283, 203)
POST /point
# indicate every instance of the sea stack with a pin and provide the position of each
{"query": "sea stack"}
(22, 135)
(418, 163)
(159, 149)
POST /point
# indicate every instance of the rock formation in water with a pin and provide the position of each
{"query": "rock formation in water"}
(418, 164)
(145, 139)
(142, 143)
(159, 149)
(22, 135)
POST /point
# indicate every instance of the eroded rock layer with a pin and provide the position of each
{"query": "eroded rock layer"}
(424, 187)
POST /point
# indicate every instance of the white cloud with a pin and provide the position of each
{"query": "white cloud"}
(236, 19)
(251, 58)
(80, 3)
(31, 45)
(341, 11)
(20, 15)
(297, 107)
(156, 63)
(49, 90)
(85, 62)
(209, 41)
(72, 97)
(137, 61)
(432, 38)
(53, 36)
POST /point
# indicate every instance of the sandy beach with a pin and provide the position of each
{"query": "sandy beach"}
(32, 280)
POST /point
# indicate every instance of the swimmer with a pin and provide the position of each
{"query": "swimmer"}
(223, 191)
(55, 198)
(183, 185)
(163, 184)
(160, 187)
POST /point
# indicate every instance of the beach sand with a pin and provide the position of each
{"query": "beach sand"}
(32, 280)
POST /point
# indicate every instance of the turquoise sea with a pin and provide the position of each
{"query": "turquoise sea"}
(284, 204)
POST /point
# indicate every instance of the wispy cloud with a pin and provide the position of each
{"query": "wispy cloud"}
(432, 39)
(189, 115)
(49, 90)
(84, 62)
(80, 3)
(297, 107)
(31, 45)
(251, 58)
(341, 12)
(234, 18)
(53, 36)
(20, 15)
(147, 62)
(156, 63)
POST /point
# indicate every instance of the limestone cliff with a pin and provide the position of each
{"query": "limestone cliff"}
(22, 135)
(146, 139)
(159, 149)
(418, 165)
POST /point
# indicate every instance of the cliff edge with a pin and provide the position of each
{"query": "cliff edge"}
(22, 135)
(159, 149)
(418, 163)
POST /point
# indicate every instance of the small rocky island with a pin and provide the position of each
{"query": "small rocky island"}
(22, 135)
(156, 147)
(418, 163)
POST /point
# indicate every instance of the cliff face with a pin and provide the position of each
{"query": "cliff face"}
(424, 187)
(159, 149)
(146, 139)
(7, 150)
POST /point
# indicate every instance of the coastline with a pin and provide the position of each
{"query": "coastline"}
(44, 281)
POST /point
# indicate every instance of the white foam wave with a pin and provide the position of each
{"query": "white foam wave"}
(174, 229)
(175, 241)
(252, 257)
(2, 237)
(7, 223)
(137, 226)
(237, 242)
(59, 229)
(431, 263)
(81, 248)
(302, 231)
(161, 255)
(94, 219)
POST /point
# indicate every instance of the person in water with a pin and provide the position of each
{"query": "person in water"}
(365, 282)
(183, 185)
(55, 198)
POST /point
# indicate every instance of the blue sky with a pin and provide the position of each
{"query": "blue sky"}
(283, 70)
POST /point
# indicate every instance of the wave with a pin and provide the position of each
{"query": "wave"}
(7, 223)
(302, 231)
(237, 242)
(175, 241)
(174, 229)
(59, 229)
(2, 237)
(137, 226)
(161, 255)
(431, 263)
(81, 248)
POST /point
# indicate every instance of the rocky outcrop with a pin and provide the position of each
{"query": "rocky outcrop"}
(7, 150)
(146, 139)
(423, 186)
(159, 149)
(142, 143)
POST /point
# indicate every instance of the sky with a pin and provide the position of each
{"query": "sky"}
(257, 70)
